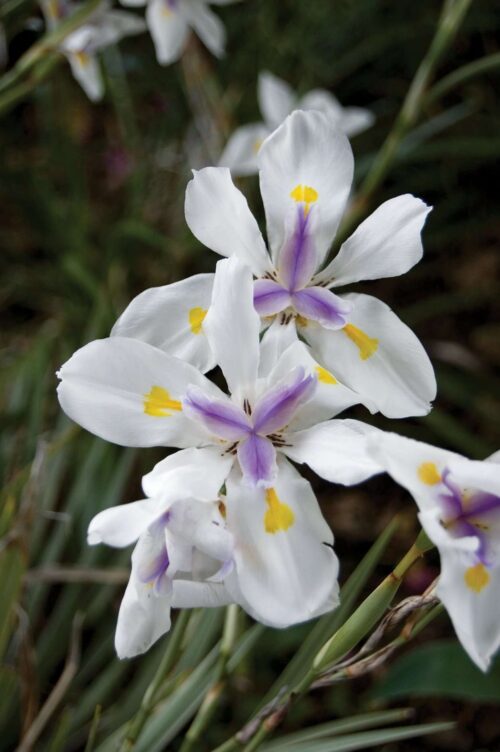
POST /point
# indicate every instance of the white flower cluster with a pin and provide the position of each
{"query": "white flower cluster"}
(228, 517)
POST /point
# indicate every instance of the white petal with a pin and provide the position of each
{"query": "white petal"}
(355, 120)
(481, 475)
(168, 29)
(382, 359)
(309, 151)
(331, 396)
(240, 152)
(188, 594)
(475, 615)
(201, 525)
(386, 244)
(217, 214)
(287, 573)
(144, 615)
(232, 327)
(197, 473)
(495, 457)
(276, 339)
(114, 25)
(412, 464)
(171, 318)
(276, 99)
(130, 393)
(121, 525)
(87, 72)
(336, 450)
(323, 101)
(206, 24)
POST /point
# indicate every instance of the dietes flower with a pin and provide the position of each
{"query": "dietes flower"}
(306, 169)
(170, 21)
(459, 503)
(103, 28)
(277, 100)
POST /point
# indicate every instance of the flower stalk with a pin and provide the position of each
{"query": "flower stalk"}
(152, 693)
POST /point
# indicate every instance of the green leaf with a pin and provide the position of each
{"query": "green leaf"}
(366, 740)
(12, 568)
(439, 669)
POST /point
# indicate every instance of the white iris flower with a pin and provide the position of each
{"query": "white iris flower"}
(459, 503)
(170, 21)
(103, 28)
(306, 169)
(277, 100)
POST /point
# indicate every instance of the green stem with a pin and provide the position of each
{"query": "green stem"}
(451, 17)
(459, 76)
(209, 704)
(168, 661)
(345, 638)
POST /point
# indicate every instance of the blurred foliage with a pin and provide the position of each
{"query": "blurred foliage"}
(92, 213)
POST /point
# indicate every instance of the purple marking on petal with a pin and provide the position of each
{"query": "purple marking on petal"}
(481, 503)
(322, 305)
(298, 260)
(257, 458)
(276, 408)
(154, 568)
(225, 420)
(269, 297)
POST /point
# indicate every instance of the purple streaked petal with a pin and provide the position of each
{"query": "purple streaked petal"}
(154, 568)
(481, 503)
(323, 306)
(224, 419)
(298, 258)
(269, 297)
(257, 458)
(451, 506)
(276, 408)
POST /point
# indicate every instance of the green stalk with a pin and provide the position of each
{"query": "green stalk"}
(209, 704)
(459, 76)
(345, 639)
(451, 17)
(153, 691)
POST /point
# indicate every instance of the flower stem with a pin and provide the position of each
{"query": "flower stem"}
(450, 19)
(209, 704)
(345, 639)
(168, 661)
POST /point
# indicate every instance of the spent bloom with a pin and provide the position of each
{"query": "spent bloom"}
(306, 170)
(277, 100)
(102, 28)
(170, 22)
(459, 508)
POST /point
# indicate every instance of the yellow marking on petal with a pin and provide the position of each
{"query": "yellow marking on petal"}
(325, 376)
(82, 58)
(157, 403)
(429, 474)
(301, 320)
(477, 577)
(257, 144)
(196, 317)
(278, 516)
(366, 345)
(304, 194)
(222, 510)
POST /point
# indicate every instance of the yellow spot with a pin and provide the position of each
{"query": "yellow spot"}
(366, 345)
(222, 510)
(304, 194)
(157, 403)
(82, 58)
(325, 376)
(196, 316)
(301, 321)
(476, 578)
(257, 144)
(429, 474)
(278, 516)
